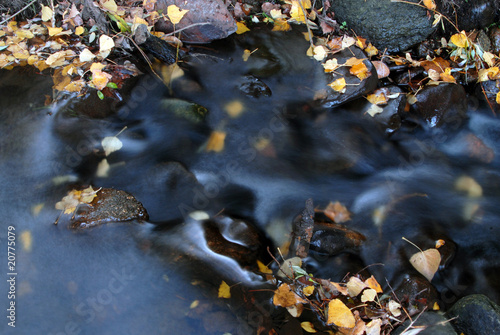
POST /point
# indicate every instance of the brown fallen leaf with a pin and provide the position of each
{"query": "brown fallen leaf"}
(284, 296)
(337, 212)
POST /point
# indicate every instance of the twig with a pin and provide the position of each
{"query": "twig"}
(21, 10)
(187, 27)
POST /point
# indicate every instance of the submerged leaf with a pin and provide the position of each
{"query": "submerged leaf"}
(224, 290)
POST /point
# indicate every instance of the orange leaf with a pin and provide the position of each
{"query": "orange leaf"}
(430, 4)
(100, 79)
(460, 40)
(284, 296)
(340, 315)
(337, 212)
(373, 283)
(371, 50)
(359, 70)
(446, 76)
(216, 141)
(382, 69)
(377, 98)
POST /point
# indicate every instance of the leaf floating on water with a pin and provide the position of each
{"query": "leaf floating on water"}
(340, 315)
(111, 144)
(241, 28)
(216, 141)
(337, 212)
(469, 185)
(26, 240)
(426, 262)
(224, 290)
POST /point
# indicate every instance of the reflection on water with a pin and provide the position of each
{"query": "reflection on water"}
(280, 148)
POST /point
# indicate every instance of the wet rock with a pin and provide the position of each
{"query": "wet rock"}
(332, 239)
(388, 117)
(469, 14)
(469, 148)
(432, 324)
(494, 36)
(489, 90)
(254, 87)
(210, 20)
(416, 294)
(476, 314)
(388, 25)
(184, 109)
(354, 86)
(109, 205)
(444, 104)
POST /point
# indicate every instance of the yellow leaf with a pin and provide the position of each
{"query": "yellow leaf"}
(374, 110)
(86, 55)
(284, 296)
(308, 327)
(216, 141)
(340, 315)
(96, 66)
(194, 304)
(319, 52)
(75, 86)
(109, 5)
(446, 76)
(498, 98)
(79, 30)
(276, 14)
(26, 240)
(100, 79)
(426, 262)
(373, 283)
(355, 286)
(361, 42)
(111, 144)
(263, 268)
(338, 85)
(430, 4)
(377, 98)
(435, 307)
(469, 185)
(234, 108)
(359, 70)
(56, 59)
(24, 33)
(331, 65)
(36, 209)
(224, 290)
(281, 25)
(460, 40)
(54, 31)
(241, 28)
(175, 14)
(246, 55)
(489, 58)
(368, 295)
(308, 290)
(88, 195)
(296, 12)
(106, 43)
(353, 61)
(46, 13)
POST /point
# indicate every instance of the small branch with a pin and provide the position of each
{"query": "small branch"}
(21, 10)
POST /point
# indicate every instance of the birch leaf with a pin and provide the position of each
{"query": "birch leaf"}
(224, 290)
(175, 14)
(340, 315)
(111, 144)
(426, 262)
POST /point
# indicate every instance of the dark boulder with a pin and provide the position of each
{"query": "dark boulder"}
(476, 314)
(388, 25)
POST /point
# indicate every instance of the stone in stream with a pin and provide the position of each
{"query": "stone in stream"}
(476, 314)
(387, 24)
(431, 323)
(109, 205)
(444, 104)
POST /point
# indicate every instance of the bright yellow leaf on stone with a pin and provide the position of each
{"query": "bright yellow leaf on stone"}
(435, 307)
(234, 108)
(26, 240)
(79, 30)
(340, 315)
(46, 13)
(241, 28)
(498, 98)
(371, 50)
(377, 98)
(224, 290)
(359, 70)
(430, 4)
(460, 40)
(263, 268)
(216, 141)
(284, 296)
(338, 85)
(175, 14)
(331, 65)
(54, 30)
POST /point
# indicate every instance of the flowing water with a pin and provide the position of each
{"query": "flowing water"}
(280, 148)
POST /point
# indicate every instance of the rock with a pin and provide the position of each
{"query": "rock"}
(354, 86)
(189, 111)
(210, 20)
(109, 205)
(494, 36)
(433, 324)
(388, 25)
(389, 117)
(469, 15)
(416, 294)
(489, 90)
(332, 239)
(254, 87)
(476, 314)
(440, 105)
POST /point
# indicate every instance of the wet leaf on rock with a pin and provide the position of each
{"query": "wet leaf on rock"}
(175, 14)
(340, 315)
(224, 290)
(426, 262)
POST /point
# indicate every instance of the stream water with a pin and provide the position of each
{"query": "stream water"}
(280, 148)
